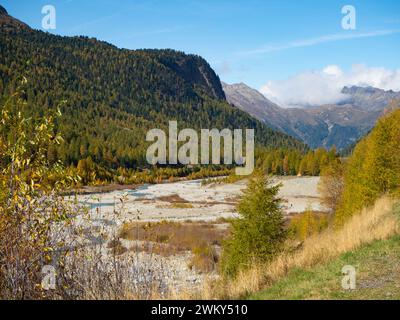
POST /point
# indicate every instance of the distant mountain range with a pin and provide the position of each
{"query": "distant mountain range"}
(337, 125)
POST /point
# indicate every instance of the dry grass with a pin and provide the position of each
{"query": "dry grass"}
(168, 238)
(116, 247)
(174, 198)
(179, 205)
(303, 225)
(183, 236)
(205, 258)
(375, 223)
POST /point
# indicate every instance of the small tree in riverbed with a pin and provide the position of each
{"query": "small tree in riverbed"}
(259, 234)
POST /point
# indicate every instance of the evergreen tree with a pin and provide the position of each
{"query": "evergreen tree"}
(259, 233)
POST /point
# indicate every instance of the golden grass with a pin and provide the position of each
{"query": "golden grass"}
(168, 238)
(181, 205)
(375, 223)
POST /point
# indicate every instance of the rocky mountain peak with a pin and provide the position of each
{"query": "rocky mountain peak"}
(9, 23)
(369, 98)
(360, 90)
(3, 11)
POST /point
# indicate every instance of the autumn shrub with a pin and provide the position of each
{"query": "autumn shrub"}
(331, 185)
(32, 211)
(308, 223)
(205, 258)
(40, 227)
(116, 247)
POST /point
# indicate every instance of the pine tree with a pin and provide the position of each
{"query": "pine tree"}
(259, 234)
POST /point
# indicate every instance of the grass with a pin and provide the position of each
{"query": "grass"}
(182, 236)
(116, 247)
(174, 198)
(377, 223)
(377, 276)
(205, 258)
(308, 223)
(181, 205)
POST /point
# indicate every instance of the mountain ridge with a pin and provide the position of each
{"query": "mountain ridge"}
(369, 98)
(3, 10)
(7, 21)
(337, 125)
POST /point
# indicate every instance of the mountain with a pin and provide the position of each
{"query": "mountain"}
(369, 98)
(325, 126)
(3, 11)
(8, 22)
(114, 96)
(255, 104)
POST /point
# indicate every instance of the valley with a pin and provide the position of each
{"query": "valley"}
(108, 188)
(172, 207)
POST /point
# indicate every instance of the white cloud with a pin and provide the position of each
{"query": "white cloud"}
(324, 86)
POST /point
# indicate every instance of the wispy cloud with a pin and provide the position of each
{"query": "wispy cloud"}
(153, 32)
(315, 41)
(83, 26)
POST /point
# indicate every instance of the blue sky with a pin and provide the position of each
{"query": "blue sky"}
(252, 41)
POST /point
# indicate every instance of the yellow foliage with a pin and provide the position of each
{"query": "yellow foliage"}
(308, 223)
(374, 168)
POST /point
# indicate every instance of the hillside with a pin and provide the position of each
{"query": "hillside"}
(113, 96)
(378, 279)
(373, 169)
(369, 241)
(338, 125)
(375, 260)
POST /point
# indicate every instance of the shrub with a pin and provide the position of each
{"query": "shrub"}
(331, 184)
(33, 214)
(205, 258)
(308, 223)
(116, 247)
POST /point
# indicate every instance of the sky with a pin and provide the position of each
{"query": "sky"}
(296, 52)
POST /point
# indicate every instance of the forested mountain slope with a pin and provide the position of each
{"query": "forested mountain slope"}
(113, 96)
